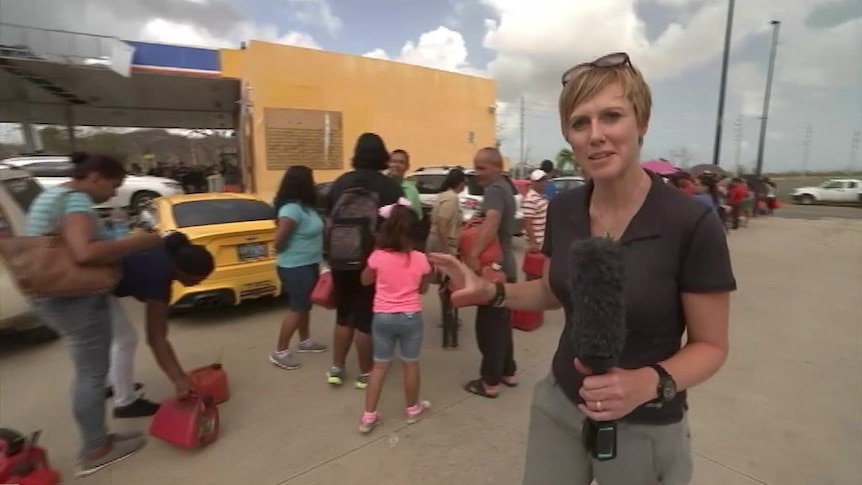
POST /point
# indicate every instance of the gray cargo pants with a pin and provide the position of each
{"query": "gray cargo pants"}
(646, 455)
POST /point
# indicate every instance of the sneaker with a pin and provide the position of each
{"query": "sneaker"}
(285, 360)
(139, 408)
(414, 415)
(122, 447)
(109, 391)
(335, 376)
(312, 346)
(361, 381)
(366, 425)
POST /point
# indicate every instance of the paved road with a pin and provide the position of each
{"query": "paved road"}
(786, 409)
(812, 212)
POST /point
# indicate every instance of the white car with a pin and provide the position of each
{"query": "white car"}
(17, 191)
(135, 193)
(429, 180)
(568, 182)
(833, 191)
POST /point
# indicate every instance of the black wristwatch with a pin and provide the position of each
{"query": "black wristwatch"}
(499, 295)
(666, 389)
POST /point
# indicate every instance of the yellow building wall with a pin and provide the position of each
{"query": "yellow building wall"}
(427, 112)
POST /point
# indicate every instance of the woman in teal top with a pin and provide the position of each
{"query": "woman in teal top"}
(84, 321)
(299, 243)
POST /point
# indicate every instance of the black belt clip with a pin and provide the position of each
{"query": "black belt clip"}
(600, 439)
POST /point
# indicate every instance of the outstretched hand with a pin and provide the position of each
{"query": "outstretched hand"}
(467, 287)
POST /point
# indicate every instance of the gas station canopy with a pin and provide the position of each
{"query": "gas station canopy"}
(111, 82)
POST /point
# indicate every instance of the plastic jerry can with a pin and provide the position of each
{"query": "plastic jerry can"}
(211, 380)
(534, 263)
(24, 463)
(527, 320)
(188, 423)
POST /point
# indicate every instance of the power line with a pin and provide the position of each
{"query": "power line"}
(737, 137)
(522, 127)
(806, 148)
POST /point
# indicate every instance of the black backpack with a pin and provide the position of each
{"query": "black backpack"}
(352, 226)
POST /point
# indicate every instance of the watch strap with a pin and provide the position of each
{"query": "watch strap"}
(663, 377)
(499, 299)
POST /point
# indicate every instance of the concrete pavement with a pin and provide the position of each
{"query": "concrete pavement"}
(786, 409)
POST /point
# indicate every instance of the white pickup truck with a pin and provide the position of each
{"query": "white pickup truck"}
(832, 191)
(135, 193)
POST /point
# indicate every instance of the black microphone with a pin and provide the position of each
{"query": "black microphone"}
(598, 317)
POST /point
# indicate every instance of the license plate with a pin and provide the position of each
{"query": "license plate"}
(251, 251)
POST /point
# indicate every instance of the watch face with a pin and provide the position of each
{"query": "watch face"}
(668, 391)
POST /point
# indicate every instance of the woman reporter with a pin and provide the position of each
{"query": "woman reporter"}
(678, 279)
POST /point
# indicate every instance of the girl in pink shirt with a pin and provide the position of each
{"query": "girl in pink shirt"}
(400, 276)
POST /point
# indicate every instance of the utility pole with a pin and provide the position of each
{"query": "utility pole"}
(722, 90)
(806, 149)
(854, 149)
(737, 136)
(760, 145)
(522, 117)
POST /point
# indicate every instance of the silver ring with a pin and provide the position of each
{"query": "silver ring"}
(598, 405)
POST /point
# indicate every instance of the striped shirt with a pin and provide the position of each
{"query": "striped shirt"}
(44, 211)
(535, 208)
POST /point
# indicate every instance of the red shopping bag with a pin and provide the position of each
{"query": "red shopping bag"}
(492, 253)
(534, 263)
(323, 293)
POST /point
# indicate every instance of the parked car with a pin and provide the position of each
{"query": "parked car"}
(832, 191)
(429, 180)
(18, 189)
(134, 194)
(238, 229)
(568, 182)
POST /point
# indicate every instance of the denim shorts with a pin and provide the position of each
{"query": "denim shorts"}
(297, 284)
(404, 329)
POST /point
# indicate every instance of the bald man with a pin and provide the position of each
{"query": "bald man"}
(493, 325)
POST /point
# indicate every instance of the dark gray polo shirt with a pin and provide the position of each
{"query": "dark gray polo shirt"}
(674, 244)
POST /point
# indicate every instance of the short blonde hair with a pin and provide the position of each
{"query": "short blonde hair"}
(593, 80)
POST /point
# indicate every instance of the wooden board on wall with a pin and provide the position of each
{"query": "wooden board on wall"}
(303, 137)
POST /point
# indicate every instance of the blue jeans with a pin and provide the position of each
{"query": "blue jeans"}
(84, 322)
(403, 329)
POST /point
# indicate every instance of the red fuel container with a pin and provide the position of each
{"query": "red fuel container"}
(24, 463)
(534, 264)
(526, 320)
(211, 380)
(188, 423)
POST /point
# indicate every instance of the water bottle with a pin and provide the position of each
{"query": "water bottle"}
(119, 223)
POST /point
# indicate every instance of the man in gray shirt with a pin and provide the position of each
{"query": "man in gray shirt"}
(493, 325)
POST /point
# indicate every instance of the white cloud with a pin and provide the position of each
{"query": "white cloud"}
(441, 48)
(161, 30)
(317, 13)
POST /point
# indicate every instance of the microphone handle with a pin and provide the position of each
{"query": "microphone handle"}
(602, 437)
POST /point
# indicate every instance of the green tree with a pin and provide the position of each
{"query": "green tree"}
(565, 160)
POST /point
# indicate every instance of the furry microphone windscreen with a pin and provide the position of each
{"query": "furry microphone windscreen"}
(598, 330)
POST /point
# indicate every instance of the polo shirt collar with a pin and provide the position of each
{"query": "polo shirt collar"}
(646, 223)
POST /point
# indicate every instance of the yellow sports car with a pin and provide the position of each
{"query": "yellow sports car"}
(239, 231)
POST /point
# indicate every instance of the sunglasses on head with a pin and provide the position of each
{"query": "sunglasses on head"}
(611, 60)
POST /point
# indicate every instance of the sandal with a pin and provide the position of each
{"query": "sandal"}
(512, 383)
(477, 387)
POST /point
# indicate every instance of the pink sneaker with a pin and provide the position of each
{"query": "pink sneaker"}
(366, 424)
(415, 412)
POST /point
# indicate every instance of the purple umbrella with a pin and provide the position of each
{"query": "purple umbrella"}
(660, 166)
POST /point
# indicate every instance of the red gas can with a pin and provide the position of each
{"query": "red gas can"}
(211, 380)
(534, 264)
(188, 423)
(22, 462)
(527, 320)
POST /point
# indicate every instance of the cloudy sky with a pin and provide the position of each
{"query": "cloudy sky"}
(526, 44)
